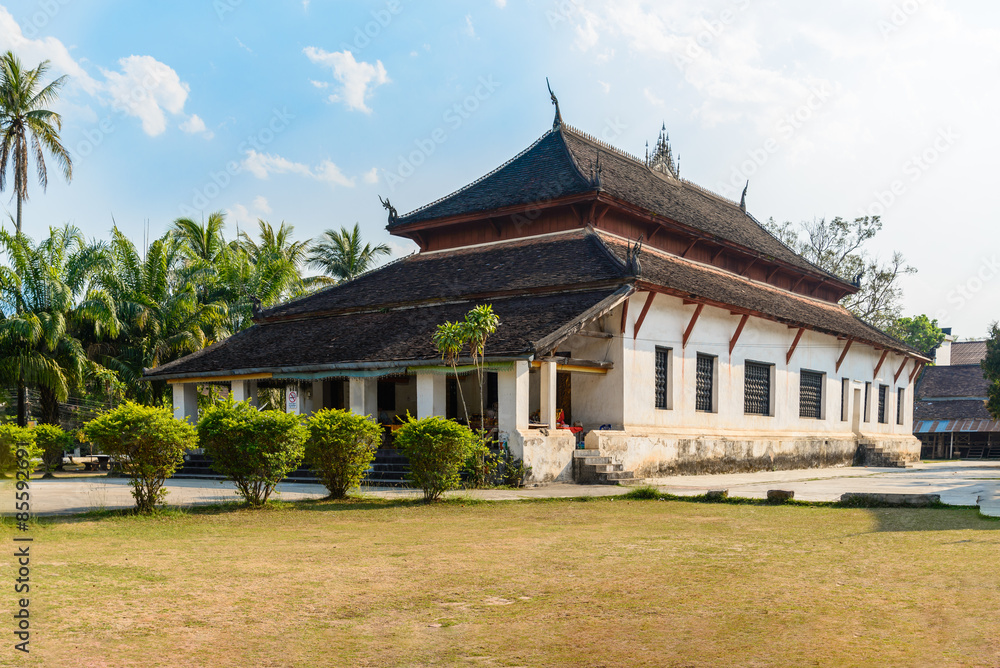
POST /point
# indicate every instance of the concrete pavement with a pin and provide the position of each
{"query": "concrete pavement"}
(958, 483)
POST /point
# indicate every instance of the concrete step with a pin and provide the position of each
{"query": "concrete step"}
(586, 453)
(619, 475)
(594, 461)
(607, 468)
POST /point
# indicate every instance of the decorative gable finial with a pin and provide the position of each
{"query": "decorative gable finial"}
(393, 216)
(632, 265)
(743, 199)
(595, 172)
(555, 101)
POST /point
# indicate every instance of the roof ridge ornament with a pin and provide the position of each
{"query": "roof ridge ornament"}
(557, 122)
(662, 159)
(595, 171)
(743, 199)
(632, 265)
(393, 215)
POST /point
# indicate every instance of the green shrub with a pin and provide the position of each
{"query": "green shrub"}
(513, 472)
(340, 448)
(480, 465)
(148, 443)
(53, 442)
(255, 449)
(11, 436)
(436, 448)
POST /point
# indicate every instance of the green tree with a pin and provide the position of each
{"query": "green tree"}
(161, 317)
(148, 443)
(255, 449)
(342, 255)
(919, 332)
(24, 119)
(991, 370)
(436, 448)
(340, 448)
(45, 298)
(839, 247)
(449, 340)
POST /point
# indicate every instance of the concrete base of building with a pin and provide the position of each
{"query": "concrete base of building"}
(652, 454)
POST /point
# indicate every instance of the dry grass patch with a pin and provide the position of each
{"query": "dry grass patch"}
(549, 583)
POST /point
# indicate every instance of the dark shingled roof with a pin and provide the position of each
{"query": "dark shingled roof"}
(562, 163)
(718, 285)
(963, 409)
(383, 336)
(517, 266)
(952, 381)
(537, 286)
(968, 352)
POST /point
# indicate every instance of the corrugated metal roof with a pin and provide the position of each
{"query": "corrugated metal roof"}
(958, 426)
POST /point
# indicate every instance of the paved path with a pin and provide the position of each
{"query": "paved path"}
(958, 483)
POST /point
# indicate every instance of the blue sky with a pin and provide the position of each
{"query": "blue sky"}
(307, 111)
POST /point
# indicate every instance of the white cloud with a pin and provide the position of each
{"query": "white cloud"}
(469, 29)
(500, 3)
(606, 87)
(238, 212)
(242, 45)
(651, 96)
(261, 204)
(49, 48)
(147, 89)
(262, 165)
(320, 84)
(371, 176)
(194, 125)
(357, 79)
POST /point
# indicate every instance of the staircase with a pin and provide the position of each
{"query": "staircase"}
(388, 469)
(877, 456)
(975, 452)
(590, 468)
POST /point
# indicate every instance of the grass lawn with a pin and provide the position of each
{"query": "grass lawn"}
(548, 583)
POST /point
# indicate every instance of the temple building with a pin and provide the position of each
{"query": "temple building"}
(950, 416)
(648, 327)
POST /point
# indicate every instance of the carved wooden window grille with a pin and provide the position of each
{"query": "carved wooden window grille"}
(704, 388)
(883, 391)
(811, 395)
(662, 377)
(757, 388)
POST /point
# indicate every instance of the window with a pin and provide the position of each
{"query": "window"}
(662, 375)
(757, 388)
(845, 398)
(704, 398)
(868, 413)
(883, 391)
(900, 403)
(811, 395)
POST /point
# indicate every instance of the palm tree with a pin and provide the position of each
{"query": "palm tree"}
(45, 300)
(162, 318)
(340, 254)
(22, 116)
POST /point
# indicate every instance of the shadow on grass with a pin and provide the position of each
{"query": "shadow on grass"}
(888, 517)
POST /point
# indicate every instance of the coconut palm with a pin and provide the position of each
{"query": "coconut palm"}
(23, 117)
(46, 299)
(341, 254)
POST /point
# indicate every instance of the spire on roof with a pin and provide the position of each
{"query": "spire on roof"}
(558, 119)
(662, 159)
(743, 199)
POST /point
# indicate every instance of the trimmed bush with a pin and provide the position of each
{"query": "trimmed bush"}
(437, 448)
(255, 449)
(340, 448)
(11, 436)
(53, 441)
(148, 443)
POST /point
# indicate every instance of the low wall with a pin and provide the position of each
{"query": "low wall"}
(651, 454)
(549, 453)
